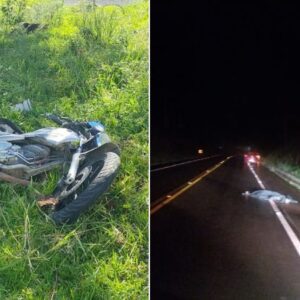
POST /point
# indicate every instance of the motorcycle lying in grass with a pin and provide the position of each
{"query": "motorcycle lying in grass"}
(88, 158)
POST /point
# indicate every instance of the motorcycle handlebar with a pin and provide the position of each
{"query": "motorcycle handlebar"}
(54, 118)
(68, 123)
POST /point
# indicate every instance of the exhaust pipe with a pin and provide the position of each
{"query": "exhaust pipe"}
(15, 180)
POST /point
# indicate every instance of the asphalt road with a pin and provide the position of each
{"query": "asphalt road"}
(212, 243)
(167, 178)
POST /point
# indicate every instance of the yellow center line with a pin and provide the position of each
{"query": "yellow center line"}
(157, 205)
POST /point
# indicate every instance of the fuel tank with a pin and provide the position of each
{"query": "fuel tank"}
(54, 137)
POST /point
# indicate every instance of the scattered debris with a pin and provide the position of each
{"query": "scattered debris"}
(269, 195)
(24, 106)
(47, 201)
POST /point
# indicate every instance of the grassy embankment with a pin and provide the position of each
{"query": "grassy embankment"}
(286, 159)
(88, 65)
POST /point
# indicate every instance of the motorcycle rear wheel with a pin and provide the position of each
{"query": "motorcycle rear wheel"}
(104, 170)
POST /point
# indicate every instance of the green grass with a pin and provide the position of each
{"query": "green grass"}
(88, 65)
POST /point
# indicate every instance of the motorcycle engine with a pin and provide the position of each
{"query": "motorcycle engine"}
(15, 154)
(8, 152)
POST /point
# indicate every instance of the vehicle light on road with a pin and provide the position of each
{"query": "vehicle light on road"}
(200, 151)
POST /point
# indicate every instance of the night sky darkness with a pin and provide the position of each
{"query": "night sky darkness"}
(225, 73)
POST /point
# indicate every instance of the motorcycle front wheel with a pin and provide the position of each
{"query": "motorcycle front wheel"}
(94, 177)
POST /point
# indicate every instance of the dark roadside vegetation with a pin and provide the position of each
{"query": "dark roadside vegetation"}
(166, 150)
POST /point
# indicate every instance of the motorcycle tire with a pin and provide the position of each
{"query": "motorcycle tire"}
(92, 188)
(10, 127)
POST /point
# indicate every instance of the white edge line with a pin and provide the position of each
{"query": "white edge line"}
(288, 229)
(293, 237)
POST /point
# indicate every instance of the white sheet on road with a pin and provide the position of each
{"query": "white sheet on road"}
(269, 195)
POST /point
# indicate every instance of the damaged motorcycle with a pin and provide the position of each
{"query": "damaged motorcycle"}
(88, 159)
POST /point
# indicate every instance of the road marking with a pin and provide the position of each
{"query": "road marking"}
(160, 203)
(184, 163)
(256, 177)
(288, 229)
